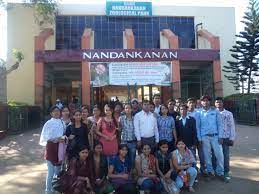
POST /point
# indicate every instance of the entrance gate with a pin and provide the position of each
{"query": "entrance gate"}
(132, 91)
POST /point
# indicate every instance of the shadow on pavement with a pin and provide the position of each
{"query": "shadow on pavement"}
(21, 150)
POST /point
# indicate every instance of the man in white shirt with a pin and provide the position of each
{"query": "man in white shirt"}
(229, 134)
(145, 127)
(157, 102)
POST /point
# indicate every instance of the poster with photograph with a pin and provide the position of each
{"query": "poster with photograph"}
(141, 73)
(124, 73)
(99, 74)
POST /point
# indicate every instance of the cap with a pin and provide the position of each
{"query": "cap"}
(190, 99)
(205, 97)
(134, 100)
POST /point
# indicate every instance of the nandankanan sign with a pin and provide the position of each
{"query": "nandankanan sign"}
(126, 55)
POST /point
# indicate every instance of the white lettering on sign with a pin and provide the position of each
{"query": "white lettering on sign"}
(147, 55)
(173, 55)
(96, 56)
(113, 55)
(90, 55)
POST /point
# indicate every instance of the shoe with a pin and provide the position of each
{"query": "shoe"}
(227, 177)
(211, 174)
(205, 174)
(141, 192)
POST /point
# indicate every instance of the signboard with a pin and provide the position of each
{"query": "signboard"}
(124, 73)
(127, 55)
(128, 8)
(130, 54)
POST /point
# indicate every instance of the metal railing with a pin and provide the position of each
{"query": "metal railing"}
(244, 111)
(16, 119)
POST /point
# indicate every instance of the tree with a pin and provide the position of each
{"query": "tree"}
(244, 69)
(4, 72)
(44, 10)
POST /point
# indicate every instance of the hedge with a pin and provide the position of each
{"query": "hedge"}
(242, 96)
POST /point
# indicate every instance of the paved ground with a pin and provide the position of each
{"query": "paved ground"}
(22, 168)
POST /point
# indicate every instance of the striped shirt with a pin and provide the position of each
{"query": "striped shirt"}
(165, 125)
(127, 129)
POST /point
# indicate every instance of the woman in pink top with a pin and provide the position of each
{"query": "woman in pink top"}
(107, 132)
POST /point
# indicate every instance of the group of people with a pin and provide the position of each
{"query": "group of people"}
(138, 147)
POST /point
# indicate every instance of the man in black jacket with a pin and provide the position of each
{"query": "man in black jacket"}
(186, 129)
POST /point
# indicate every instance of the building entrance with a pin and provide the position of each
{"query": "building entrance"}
(102, 95)
(196, 79)
(61, 81)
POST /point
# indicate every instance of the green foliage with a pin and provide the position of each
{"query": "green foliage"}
(242, 96)
(44, 11)
(18, 55)
(245, 67)
(12, 103)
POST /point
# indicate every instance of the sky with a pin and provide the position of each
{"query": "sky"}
(240, 7)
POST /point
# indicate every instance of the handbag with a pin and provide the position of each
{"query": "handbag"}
(60, 182)
(105, 186)
(170, 187)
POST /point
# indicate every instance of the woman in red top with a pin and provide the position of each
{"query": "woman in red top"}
(107, 132)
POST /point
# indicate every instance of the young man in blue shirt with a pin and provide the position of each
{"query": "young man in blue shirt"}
(210, 135)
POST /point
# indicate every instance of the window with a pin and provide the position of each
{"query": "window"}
(108, 31)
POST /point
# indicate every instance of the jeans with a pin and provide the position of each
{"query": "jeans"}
(225, 147)
(149, 184)
(52, 171)
(194, 155)
(209, 143)
(193, 173)
(201, 157)
(132, 153)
